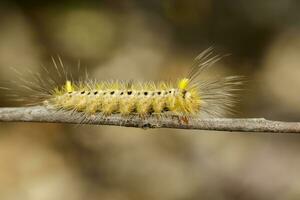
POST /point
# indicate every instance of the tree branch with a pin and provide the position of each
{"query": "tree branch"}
(48, 115)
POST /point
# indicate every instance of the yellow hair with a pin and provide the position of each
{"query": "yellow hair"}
(183, 83)
(68, 86)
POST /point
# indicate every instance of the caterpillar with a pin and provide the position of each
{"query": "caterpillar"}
(189, 96)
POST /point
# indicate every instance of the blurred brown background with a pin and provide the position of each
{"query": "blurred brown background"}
(154, 40)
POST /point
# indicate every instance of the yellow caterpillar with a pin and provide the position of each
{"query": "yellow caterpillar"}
(189, 96)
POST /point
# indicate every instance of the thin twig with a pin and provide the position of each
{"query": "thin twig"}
(48, 115)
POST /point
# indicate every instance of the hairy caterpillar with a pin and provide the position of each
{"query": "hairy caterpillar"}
(189, 96)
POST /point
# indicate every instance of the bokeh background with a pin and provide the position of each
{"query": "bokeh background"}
(153, 40)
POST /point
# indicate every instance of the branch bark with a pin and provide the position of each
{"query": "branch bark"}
(48, 115)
